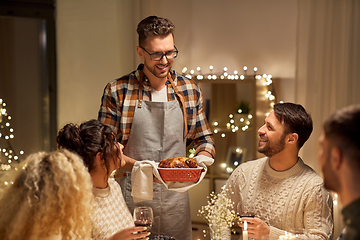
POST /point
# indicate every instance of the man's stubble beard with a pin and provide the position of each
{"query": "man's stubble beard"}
(271, 149)
(154, 72)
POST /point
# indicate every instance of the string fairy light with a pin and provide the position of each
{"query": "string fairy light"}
(235, 122)
(7, 154)
(263, 79)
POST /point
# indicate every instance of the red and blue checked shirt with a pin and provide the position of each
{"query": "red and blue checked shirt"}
(119, 99)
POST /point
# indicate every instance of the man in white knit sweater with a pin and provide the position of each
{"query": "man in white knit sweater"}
(280, 189)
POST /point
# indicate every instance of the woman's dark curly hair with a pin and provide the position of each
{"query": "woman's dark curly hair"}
(87, 140)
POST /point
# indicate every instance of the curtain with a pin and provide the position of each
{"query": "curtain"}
(328, 60)
(328, 66)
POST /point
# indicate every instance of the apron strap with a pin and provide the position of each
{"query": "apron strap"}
(180, 97)
(140, 89)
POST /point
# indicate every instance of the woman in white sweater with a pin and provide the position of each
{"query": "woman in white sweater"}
(96, 143)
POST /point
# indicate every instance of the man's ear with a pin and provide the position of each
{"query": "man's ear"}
(292, 138)
(140, 52)
(336, 157)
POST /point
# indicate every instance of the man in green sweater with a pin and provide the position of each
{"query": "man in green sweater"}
(339, 159)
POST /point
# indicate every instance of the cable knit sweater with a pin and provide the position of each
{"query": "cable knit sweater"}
(285, 200)
(111, 213)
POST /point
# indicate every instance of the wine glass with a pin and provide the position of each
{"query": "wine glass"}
(243, 213)
(143, 217)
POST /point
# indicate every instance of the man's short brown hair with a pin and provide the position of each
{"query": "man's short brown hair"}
(154, 26)
(342, 130)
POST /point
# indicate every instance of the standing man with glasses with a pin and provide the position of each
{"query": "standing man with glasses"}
(156, 113)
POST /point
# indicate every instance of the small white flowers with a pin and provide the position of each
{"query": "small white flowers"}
(219, 212)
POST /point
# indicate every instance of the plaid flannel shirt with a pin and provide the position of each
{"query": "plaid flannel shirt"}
(119, 99)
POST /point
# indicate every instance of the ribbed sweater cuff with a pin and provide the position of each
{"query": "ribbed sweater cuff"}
(275, 233)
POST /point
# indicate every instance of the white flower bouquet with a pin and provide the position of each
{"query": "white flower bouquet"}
(219, 213)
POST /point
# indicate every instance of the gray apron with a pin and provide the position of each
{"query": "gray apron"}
(157, 133)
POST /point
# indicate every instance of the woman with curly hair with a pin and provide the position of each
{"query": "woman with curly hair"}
(96, 143)
(50, 199)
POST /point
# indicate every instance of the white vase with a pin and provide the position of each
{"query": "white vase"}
(217, 233)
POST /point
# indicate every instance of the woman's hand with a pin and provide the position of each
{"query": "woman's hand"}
(131, 233)
(256, 228)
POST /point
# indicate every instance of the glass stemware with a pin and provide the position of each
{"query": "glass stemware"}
(143, 217)
(243, 213)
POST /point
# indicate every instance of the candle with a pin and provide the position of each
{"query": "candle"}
(291, 237)
(245, 232)
(287, 237)
(284, 237)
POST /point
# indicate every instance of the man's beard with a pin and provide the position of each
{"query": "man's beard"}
(156, 73)
(273, 148)
(331, 181)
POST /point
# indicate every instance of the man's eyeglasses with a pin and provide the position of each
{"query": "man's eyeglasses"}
(157, 56)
